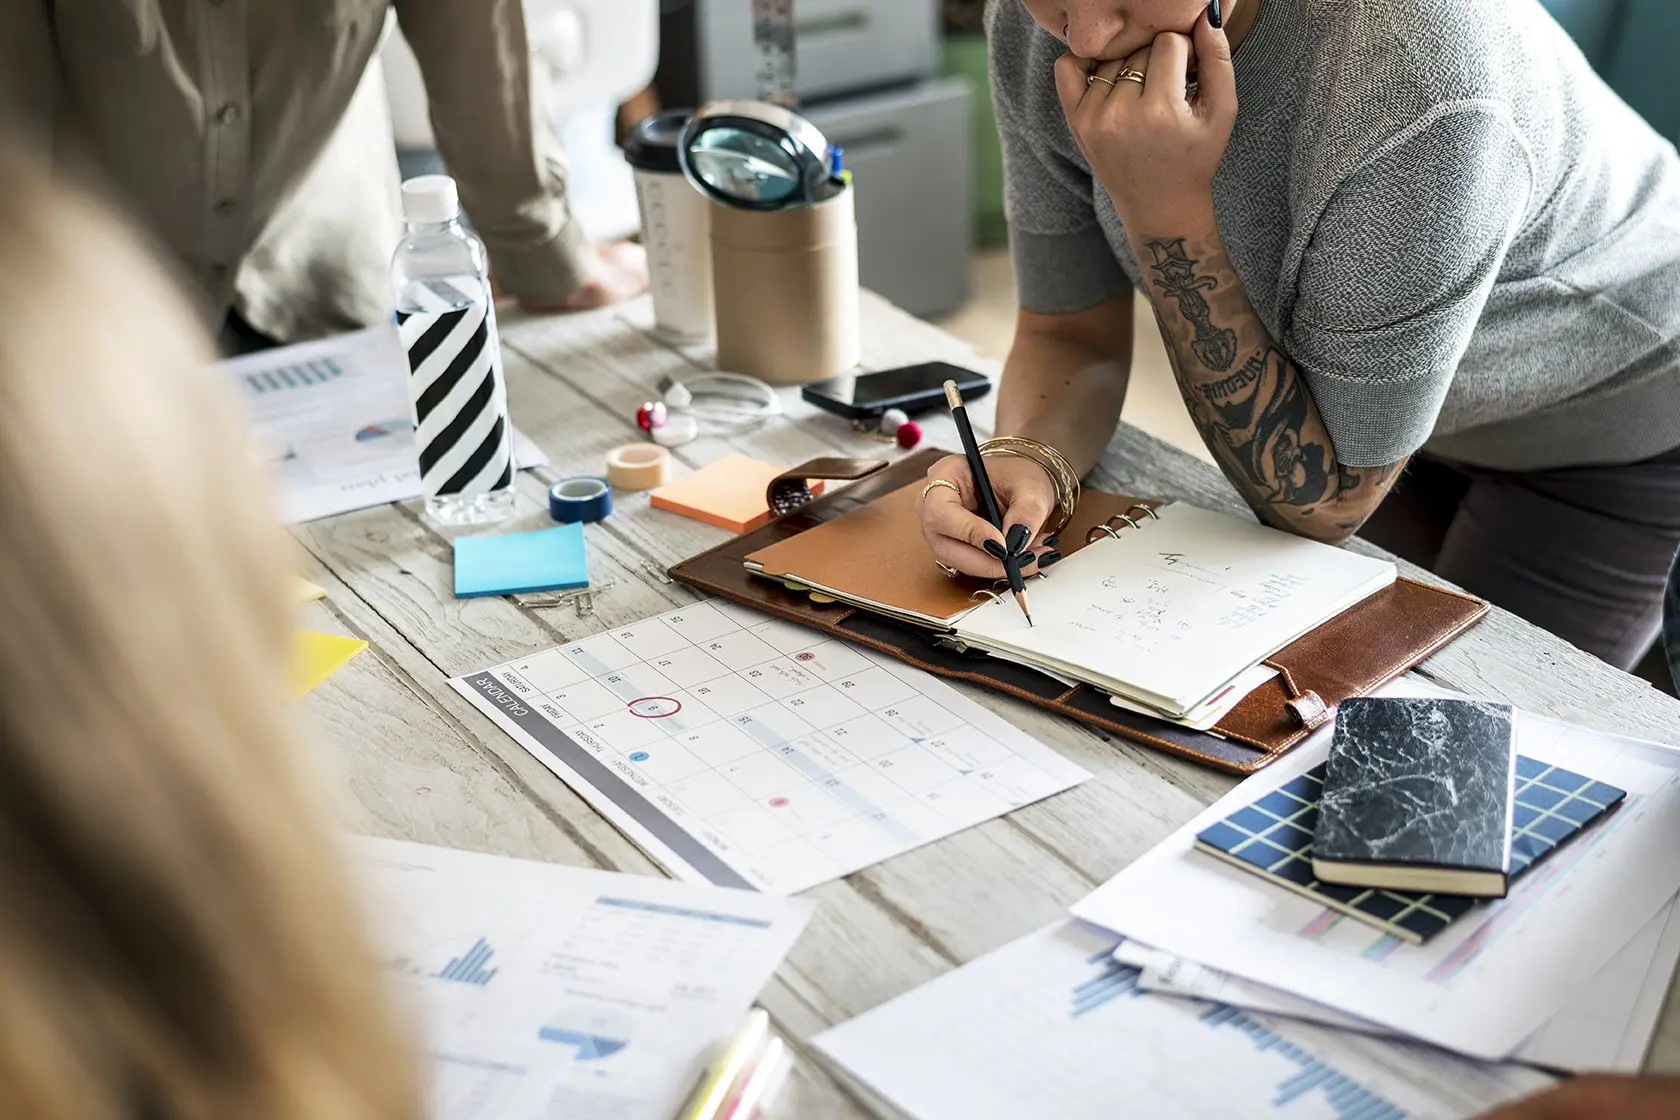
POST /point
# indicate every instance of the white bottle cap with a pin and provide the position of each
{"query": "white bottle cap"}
(431, 199)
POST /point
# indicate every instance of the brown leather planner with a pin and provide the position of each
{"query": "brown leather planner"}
(1352, 654)
(877, 553)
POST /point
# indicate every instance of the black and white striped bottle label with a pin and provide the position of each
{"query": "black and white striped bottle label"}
(460, 398)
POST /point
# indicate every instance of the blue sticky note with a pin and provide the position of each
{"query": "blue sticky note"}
(517, 563)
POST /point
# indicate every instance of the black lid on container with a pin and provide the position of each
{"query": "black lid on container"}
(652, 144)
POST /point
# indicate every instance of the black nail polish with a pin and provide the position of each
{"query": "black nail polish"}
(1049, 559)
(1018, 537)
(1052, 540)
(996, 549)
(1026, 559)
(1216, 18)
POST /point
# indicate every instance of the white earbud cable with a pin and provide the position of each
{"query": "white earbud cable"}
(723, 403)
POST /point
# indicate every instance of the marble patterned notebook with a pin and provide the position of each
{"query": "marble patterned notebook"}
(1273, 838)
(1417, 797)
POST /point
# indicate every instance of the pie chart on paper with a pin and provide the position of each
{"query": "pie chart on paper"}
(593, 1034)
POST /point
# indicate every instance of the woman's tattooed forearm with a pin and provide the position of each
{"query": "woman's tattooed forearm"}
(1176, 276)
(1259, 421)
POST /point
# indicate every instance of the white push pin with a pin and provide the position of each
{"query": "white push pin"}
(892, 420)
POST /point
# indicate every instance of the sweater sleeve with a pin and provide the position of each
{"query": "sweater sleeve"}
(495, 138)
(1397, 273)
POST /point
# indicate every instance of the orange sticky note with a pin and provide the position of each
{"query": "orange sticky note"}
(319, 656)
(728, 494)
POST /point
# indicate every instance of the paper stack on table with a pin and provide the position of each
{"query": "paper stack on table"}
(548, 991)
(1053, 1026)
(1496, 984)
(1606, 1027)
(1184, 964)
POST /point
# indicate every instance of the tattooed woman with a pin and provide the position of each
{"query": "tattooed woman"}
(1417, 269)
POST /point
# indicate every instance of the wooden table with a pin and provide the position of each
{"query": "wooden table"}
(421, 764)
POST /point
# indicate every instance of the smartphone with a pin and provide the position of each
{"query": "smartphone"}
(911, 388)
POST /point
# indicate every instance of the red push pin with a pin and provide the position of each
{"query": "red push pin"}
(651, 415)
(909, 434)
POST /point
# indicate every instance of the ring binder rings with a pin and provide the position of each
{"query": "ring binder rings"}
(1173, 624)
(1109, 528)
(1350, 655)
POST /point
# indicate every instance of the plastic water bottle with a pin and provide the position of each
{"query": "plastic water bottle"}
(448, 325)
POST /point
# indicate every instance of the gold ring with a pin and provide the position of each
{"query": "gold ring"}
(945, 482)
(1129, 75)
(950, 572)
(1091, 79)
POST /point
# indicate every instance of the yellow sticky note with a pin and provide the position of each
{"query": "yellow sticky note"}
(305, 592)
(319, 656)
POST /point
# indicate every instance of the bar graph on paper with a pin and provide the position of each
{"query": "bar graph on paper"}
(468, 968)
(1350, 1100)
(311, 371)
(1053, 1025)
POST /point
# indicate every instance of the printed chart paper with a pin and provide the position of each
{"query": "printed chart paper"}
(1482, 987)
(745, 751)
(1605, 1028)
(546, 991)
(338, 422)
(1052, 1025)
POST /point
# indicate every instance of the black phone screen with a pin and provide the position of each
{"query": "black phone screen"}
(910, 388)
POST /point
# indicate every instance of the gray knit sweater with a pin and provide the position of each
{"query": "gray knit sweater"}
(1454, 227)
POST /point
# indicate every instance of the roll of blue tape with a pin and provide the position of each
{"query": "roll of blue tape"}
(584, 499)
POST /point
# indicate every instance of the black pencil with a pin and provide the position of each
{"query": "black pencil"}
(984, 493)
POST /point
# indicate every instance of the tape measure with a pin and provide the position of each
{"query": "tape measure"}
(774, 41)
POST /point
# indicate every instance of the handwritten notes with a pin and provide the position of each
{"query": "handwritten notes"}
(1169, 612)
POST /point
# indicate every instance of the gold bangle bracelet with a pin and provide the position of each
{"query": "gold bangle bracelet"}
(1055, 464)
(1061, 513)
(1053, 461)
(1062, 474)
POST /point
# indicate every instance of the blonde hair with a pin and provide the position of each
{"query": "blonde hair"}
(175, 939)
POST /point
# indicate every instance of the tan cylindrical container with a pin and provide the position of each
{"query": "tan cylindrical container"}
(786, 289)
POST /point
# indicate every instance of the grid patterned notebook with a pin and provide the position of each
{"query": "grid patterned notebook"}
(1273, 837)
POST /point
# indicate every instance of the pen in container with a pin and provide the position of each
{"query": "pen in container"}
(986, 497)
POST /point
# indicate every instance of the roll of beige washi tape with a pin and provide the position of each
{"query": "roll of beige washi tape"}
(638, 466)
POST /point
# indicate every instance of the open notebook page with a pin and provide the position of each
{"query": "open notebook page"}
(1172, 610)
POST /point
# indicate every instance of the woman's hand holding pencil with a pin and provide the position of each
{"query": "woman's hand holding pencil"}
(983, 518)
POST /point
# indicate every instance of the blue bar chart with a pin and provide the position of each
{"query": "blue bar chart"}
(1351, 1099)
(1112, 980)
(469, 967)
(312, 371)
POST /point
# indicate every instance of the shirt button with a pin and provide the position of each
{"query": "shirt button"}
(228, 114)
(226, 206)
